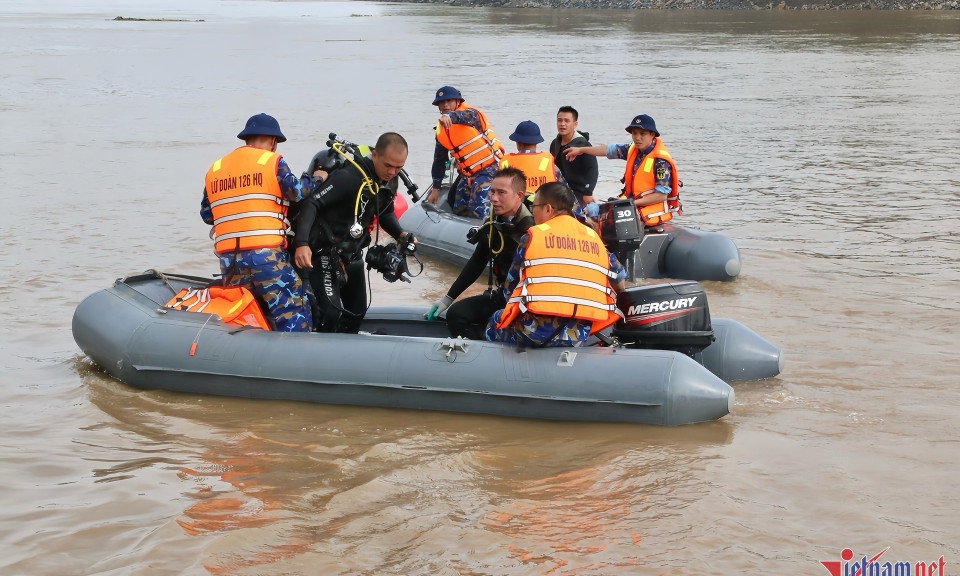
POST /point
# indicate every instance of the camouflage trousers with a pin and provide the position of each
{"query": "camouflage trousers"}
(471, 198)
(536, 331)
(267, 273)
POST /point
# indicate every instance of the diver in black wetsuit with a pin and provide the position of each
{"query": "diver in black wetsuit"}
(332, 229)
(496, 244)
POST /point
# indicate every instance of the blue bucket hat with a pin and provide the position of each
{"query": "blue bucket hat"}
(644, 122)
(262, 125)
(447, 93)
(527, 132)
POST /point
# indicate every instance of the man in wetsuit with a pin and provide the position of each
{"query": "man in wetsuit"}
(333, 228)
(496, 243)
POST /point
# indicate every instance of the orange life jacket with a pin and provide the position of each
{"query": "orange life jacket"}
(473, 150)
(538, 167)
(248, 209)
(640, 183)
(566, 272)
(233, 304)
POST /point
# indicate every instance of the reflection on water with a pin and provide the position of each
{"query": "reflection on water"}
(287, 476)
(824, 144)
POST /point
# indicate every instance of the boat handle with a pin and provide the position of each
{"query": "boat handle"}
(452, 346)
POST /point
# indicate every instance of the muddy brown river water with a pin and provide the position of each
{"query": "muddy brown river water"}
(825, 144)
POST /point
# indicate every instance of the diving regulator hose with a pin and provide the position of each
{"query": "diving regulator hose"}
(356, 230)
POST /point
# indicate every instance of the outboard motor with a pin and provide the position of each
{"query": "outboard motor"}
(620, 227)
(665, 317)
(621, 232)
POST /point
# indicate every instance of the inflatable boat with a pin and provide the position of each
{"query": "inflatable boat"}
(401, 360)
(664, 251)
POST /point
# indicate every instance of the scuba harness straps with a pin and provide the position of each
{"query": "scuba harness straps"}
(359, 205)
(501, 229)
(493, 253)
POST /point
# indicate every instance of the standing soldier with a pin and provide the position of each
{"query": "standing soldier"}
(245, 198)
(464, 132)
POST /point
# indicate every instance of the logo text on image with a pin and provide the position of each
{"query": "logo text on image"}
(875, 567)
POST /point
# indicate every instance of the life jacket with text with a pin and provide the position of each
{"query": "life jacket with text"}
(566, 273)
(538, 167)
(474, 150)
(248, 208)
(641, 182)
(233, 304)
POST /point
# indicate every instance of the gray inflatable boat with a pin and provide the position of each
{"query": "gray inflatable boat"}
(666, 251)
(401, 360)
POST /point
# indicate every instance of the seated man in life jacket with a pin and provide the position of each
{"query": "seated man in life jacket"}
(538, 167)
(245, 197)
(650, 178)
(562, 283)
(464, 132)
(495, 245)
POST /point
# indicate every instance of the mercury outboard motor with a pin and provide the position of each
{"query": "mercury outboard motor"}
(665, 317)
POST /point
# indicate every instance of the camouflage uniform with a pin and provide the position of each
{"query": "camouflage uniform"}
(267, 272)
(472, 195)
(529, 329)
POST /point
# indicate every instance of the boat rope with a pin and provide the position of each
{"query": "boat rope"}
(163, 278)
(193, 347)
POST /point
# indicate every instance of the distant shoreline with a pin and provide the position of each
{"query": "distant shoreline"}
(707, 4)
(129, 19)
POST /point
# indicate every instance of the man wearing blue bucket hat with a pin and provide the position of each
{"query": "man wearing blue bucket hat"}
(538, 167)
(465, 133)
(650, 177)
(245, 198)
